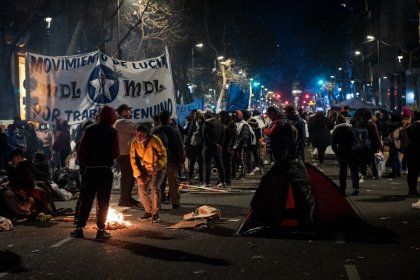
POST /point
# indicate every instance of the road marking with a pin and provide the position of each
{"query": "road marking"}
(339, 237)
(59, 243)
(352, 272)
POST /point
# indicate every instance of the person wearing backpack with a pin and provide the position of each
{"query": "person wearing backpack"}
(368, 133)
(392, 126)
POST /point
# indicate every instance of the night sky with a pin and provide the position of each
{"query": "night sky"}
(286, 41)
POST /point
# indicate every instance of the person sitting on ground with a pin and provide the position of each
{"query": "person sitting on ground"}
(20, 185)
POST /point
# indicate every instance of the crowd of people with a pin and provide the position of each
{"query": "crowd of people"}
(360, 141)
(234, 145)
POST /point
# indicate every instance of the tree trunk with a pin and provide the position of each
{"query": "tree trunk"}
(8, 101)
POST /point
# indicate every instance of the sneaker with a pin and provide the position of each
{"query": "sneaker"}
(221, 185)
(175, 206)
(134, 202)
(250, 173)
(155, 218)
(256, 169)
(361, 180)
(77, 233)
(146, 216)
(355, 192)
(404, 172)
(102, 235)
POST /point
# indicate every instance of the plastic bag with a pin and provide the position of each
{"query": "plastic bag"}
(61, 193)
(380, 163)
(5, 224)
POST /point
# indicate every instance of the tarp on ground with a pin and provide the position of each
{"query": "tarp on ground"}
(355, 104)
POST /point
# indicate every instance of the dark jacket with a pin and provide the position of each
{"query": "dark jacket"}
(319, 130)
(299, 123)
(413, 133)
(22, 176)
(175, 147)
(62, 136)
(99, 144)
(244, 134)
(212, 133)
(283, 138)
(342, 140)
(231, 136)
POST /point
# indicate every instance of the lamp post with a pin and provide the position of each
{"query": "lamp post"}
(199, 45)
(372, 38)
(48, 34)
(358, 53)
(250, 93)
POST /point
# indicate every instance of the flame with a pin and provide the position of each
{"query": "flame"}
(115, 220)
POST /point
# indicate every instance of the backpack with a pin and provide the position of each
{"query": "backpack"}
(401, 139)
(362, 139)
(361, 145)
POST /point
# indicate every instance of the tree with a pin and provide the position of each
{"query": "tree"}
(16, 19)
(146, 27)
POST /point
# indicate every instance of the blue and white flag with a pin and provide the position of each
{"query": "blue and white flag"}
(185, 109)
(75, 88)
(237, 98)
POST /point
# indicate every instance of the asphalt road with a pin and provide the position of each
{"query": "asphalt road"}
(388, 247)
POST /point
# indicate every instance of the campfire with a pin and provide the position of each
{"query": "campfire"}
(115, 220)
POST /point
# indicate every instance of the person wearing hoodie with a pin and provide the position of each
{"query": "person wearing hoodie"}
(97, 151)
(342, 143)
(61, 145)
(213, 135)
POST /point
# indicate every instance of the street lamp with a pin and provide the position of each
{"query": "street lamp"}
(48, 33)
(199, 45)
(250, 93)
(358, 53)
(371, 38)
